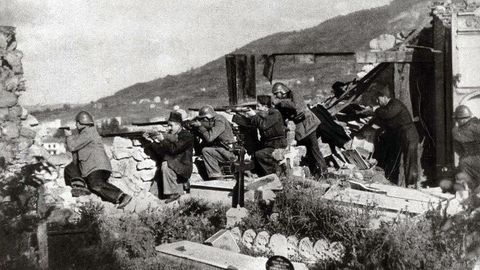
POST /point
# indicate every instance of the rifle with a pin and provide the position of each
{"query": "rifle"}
(65, 128)
(129, 134)
(244, 107)
(186, 123)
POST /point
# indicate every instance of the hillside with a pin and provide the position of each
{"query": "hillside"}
(207, 84)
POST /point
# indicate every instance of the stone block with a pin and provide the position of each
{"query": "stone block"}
(305, 249)
(237, 234)
(223, 239)
(10, 130)
(292, 246)
(30, 121)
(261, 241)
(3, 114)
(235, 216)
(136, 142)
(121, 153)
(195, 178)
(3, 42)
(11, 83)
(14, 58)
(278, 245)
(146, 164)
(147, 175)
(119, 142)
(268, 182)
(138, 154)
(248, 237)
(27, 133)
(7, 99)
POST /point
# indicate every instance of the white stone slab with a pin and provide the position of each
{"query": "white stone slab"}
(216, 257)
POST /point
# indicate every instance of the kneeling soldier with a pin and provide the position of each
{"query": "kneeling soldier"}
(269, 122)
(90, 161)
(175, 149)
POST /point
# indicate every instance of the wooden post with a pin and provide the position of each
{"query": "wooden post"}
(251, 84)
(42, 240)
(231, 79)
(241, 64)
(401, 79)
(239, 169)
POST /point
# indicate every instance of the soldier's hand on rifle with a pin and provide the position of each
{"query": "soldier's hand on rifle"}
(251, 113)
(67, 132)
(195, 123)
(146, 136)
(159, 137)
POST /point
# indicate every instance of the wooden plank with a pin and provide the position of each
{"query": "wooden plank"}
(231, 79)
(389, 57)
(42, 239)
(406, 193)
(380, 201)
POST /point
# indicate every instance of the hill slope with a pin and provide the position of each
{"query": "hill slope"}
(207, 84)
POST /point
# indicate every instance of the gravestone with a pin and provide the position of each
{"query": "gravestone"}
(248, 238)
(292, 246)
(223, 239)
(278, 244)
(236, 233)
(261, 241)
(322, 249)
(305, 249)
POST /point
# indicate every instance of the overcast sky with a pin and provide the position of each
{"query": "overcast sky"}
(77, 51)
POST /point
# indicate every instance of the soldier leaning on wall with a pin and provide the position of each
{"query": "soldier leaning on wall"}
(90, 163)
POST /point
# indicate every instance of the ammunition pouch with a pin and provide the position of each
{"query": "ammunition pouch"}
(299, 117)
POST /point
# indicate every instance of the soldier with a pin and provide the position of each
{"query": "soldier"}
(218, 139)
(466, 137)
(293, 108)
(90, 162)
(269, 122)
(176, 150)
(400, 133)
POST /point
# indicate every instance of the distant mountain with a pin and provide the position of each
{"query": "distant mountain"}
(207, 84)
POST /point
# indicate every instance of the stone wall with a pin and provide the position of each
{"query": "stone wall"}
(16, 136)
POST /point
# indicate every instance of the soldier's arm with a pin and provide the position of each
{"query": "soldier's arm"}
(265, 121)
(211, 134)
(77, 142)
(388, 112)
(185, 141)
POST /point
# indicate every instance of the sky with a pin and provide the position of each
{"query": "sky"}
(76, 51)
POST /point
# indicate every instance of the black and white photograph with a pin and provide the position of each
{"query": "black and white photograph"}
(240, 135)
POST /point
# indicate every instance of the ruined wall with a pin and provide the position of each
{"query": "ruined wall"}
(16, 136)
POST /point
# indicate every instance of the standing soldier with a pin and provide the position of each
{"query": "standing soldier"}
(218, 138)
(294, 109)
(466, 137)
(90, 162)
(269, 122)
(401, 134)
(175, 149)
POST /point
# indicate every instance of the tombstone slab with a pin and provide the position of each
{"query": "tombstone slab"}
(248, 238)
(292, 246)
(322, 249)
(305, 249)
(237, 234)
(261, 241)
(223, 239)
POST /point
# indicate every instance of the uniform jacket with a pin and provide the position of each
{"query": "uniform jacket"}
(290, 108)
(88, 150)
(394, 116)
(467, 138)
(177, 151)
(220, 132)
(271, 127)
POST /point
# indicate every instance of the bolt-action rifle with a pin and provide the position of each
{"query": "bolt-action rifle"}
(244, 107)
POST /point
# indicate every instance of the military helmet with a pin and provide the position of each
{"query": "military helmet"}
(84, 118)
(462, 112)
(206, 112)
(280, 88)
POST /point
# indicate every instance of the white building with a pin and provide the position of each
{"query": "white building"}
(54, 146)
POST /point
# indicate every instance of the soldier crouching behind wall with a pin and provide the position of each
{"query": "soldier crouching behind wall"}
(90, 163)
(175, 149)
(269, 122)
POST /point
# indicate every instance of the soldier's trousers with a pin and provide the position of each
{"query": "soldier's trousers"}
(409, 144)
(315, 161)
(170, 183)
(96, 181)
(265, 161)
(212, 156)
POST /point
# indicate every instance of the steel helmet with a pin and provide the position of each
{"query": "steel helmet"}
(462, 112)
(280, 87)
(84, 118)
(206, 112)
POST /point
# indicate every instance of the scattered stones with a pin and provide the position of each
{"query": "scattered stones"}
(121, 153)
(147, 175)
(119, 142)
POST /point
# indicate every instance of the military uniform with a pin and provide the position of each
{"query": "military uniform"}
(176, 161)
(395, 119)
(218, 139)
(306, 124)
(467, 144)
(90, 162)
(272, 133)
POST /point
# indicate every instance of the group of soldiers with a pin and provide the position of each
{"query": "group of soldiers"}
(175, 148)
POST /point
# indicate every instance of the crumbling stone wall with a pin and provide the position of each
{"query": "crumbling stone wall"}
(16, 137)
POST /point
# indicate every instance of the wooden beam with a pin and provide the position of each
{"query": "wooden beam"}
(368, 57)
